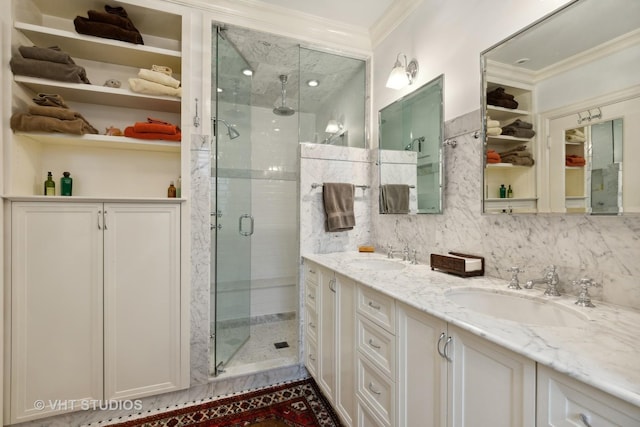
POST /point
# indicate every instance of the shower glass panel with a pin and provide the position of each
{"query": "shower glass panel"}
(232, 221)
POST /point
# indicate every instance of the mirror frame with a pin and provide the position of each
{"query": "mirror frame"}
(414, 199)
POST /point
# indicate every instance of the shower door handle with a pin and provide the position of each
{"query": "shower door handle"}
(241, 221)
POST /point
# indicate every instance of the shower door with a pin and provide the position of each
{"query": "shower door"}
(232, 222)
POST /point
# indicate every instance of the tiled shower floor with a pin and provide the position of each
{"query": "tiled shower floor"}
(259, 352)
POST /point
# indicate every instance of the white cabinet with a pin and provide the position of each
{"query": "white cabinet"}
(330, 337)
(422, 371)
(95, 304)
(376, 356)
(450, 377)
(563, 401)
(488, 385)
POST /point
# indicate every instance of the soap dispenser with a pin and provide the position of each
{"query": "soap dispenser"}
(503, 191)
(49, 185)
(66, 184)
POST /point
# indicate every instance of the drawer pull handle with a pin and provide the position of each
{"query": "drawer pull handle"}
(585, 420)
(373, 390)
(446, 346)
(372, 305)
(332, 285)
(313, 359)
(312, 325)
(312, 271)
(311, 297)
(442, 335)
(374, 345)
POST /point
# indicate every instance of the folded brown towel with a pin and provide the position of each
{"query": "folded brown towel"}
(395, 198)
(504, 103)
(106, 31)
(50, 99)
(48, 70)
(518, 132)
(521, 124)
(500, 98)
(30, 123)
(518, 160)
(51, 54)
(62, 114)
(338, 205)
(113, 19)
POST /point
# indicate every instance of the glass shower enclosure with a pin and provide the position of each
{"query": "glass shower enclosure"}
(231, 220)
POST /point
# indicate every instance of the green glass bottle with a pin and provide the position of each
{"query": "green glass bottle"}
(502, 191)
(49, 186)
(509, 192)
(66, 184)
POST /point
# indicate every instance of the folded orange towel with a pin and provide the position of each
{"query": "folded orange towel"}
(144, 127)
(574, 160)
(130, 132)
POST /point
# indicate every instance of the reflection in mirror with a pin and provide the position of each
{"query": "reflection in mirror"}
(538, 100)
(410, 154)
(332, 99)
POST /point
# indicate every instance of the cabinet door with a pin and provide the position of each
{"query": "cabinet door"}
(56, 307)
(489, 385)
(142, 299)
(563, 401)
(345, 401)
(422, 372)
(327, 333)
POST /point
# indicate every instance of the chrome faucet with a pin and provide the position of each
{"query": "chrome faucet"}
(390, 251)
(405, 253)
(550, 278)
(514, 283)
(584, 299)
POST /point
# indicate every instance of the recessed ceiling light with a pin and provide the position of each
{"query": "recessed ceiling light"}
(522, 61)
(247, 72)
(313, 83)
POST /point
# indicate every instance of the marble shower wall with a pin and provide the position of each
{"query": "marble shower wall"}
(605, 248)
(326, 163)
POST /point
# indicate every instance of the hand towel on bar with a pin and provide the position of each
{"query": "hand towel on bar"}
(395, 198)
(338, 206)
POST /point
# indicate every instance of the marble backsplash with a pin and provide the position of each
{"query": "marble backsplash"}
(321, 163)
(605, 248)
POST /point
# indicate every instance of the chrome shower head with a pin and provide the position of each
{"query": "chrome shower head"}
(283, 110)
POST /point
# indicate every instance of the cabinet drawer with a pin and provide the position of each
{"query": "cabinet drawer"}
(311, 323)
(311, 295)
(378, 345)
(376, 390)
(311, 272)
(311, 357)
(563, 401)
(364, 417)
(377, 307)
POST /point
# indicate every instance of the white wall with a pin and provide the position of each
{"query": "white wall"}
(448, 37)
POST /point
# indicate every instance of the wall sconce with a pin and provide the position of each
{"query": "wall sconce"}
(333, 127)
(402, 75)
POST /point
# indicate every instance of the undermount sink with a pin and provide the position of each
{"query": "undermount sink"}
(522, 309)
(377, 264)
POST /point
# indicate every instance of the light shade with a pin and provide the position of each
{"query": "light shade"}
(402, 75)
(332, 127)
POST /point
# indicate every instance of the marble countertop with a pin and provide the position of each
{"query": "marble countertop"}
(602, 352)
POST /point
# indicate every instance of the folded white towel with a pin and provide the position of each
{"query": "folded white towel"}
(493, 123)
(575, 138)
(494, 131)
(157, 77)
(152, 88)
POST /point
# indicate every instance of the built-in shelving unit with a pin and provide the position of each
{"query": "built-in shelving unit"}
(101, 165)
(521, 178)
(575, 177)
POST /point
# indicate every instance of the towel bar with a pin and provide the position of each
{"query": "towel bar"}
(316, 185)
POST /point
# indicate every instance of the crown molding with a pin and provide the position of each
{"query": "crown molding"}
(311, 29)
(391, 18)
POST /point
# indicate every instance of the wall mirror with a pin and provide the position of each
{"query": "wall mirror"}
(561, 111)
(410, 163)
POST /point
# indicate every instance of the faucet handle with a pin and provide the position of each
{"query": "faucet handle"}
(584, 299)
(414, 260)
(514, 283)
(389, 251)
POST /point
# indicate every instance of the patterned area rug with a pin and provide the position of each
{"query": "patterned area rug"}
(296, 404)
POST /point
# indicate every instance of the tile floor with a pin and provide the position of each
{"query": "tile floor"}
(260, 352)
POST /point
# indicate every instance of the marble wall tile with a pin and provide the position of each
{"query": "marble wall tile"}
(602, 247)
(325, 163)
